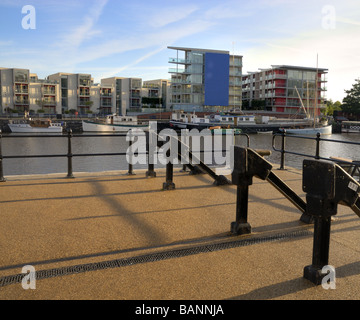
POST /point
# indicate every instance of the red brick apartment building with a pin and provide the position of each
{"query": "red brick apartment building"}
(279, 87)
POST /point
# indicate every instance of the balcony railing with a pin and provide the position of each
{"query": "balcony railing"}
(176, 70)
(235, 73)
(21, 101)
(49, 92)
(178, 60)
(21, 90)
(22, 78)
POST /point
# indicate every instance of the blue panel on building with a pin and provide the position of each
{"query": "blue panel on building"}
(216, 79)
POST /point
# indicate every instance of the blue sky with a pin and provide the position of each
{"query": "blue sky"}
(130, 38)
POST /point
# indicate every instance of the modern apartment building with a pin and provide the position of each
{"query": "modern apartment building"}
(158, 91)
(205, 79)
(102, 99)
(21, 92)
(74, 91)
(278, 88)
(14, 89)
(44, 94)
(127, 93)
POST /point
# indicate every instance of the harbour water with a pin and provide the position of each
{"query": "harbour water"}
(118, 144)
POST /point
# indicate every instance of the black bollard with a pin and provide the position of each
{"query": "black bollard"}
(319, 183)
(69, 156)
(130, 168)
(243, 181)
(2, 179)
(169, 184)
(150, 160)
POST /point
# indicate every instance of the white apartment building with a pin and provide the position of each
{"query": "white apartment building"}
(157, 90)
(103, 99)
(21, 91)
(44, 95)
(127, 93)
(74, 91)
(64, 92)
(14, 90)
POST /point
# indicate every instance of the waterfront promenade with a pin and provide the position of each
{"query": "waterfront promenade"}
(164, 244)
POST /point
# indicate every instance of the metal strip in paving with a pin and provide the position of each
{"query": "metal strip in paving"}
(153, 257)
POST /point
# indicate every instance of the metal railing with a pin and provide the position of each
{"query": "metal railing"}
(70, 155)
(353, 164)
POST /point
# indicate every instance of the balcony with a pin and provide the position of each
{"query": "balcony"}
(276, 76)
(84, 102)
(181, 71)
(178, 60)
(135, 95)
(49, 92)
(21, 78)
(84, 83)
(235, 73)
(21, 89)
(181, 81)
(21, 101)
(83, 93)
(235, 63)
(49, 103)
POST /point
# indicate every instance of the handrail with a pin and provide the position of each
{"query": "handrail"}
(317, 156)
(69, 155)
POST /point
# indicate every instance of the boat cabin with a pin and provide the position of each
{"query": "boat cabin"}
(188, 118)
(231, 119)
(115, 119)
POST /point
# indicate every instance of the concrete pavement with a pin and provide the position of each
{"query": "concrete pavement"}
(53, 223)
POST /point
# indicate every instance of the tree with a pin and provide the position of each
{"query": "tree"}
(152, 102)
(332, 106)
(351, 103)
(258, 104)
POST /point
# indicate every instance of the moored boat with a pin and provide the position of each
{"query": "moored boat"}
(324, 130)
(35, 126)
(114, 123)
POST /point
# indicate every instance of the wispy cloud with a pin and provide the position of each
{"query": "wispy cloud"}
(6, 43)
(86, 30)
(117, 71)
(165, 16)
(161, 39)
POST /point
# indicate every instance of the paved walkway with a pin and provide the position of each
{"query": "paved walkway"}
(114, 236)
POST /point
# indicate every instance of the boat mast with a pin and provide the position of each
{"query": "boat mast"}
(307, 97)
(302, 104)
(316, 90)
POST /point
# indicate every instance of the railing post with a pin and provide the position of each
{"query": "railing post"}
(282, 163)
(169, 184)
(150, 159)
(319, 183)
(317, 154)
(2, 179)
(242, 181)
(69, 156)
(130, 170)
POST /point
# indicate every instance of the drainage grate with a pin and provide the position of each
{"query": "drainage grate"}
(153, 257)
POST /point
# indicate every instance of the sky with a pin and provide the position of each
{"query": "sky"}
(107, 38)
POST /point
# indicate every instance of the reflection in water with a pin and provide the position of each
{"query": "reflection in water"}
(116, 144)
